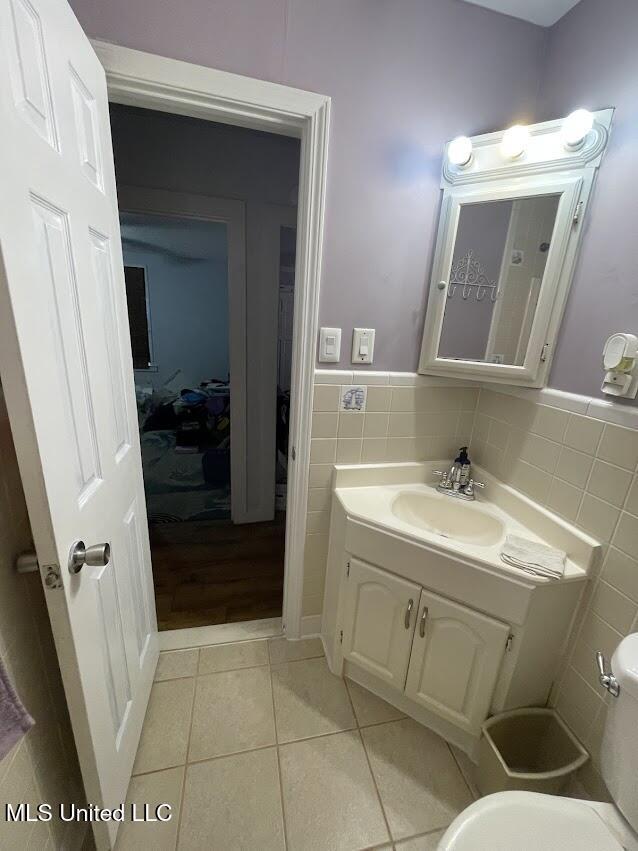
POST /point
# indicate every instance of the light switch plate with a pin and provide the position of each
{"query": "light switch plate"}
(362, 345)
(329, 345)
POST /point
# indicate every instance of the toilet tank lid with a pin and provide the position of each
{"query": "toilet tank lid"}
(624, 664)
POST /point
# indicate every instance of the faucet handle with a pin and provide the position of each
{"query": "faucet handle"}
(476, 484)
(443, 474)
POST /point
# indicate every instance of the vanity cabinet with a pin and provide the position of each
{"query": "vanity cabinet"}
(455, 660)
(442, 655)
(379, 618)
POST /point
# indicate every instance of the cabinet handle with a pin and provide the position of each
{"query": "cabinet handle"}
(408, 613)
(424, 617)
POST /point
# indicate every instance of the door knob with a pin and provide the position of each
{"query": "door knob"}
(96, 556)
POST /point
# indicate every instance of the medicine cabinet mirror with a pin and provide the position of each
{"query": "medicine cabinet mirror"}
(506, 248)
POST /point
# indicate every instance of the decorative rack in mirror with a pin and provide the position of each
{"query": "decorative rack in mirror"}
(509, 230)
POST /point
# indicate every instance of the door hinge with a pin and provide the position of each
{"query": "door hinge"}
(348, 569)
(579, 210)
(509, 642)
(293, 453)
(340, 636)
(544, 351)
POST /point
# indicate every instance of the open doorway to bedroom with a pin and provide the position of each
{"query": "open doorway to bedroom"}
(208, 220)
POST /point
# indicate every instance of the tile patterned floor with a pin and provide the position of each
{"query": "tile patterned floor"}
(258, 746)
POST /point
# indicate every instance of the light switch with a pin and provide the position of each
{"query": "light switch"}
(329, 345)
(362, 345)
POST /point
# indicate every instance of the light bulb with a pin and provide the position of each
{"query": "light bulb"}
(514, 142)
(576, 127)
(459, 151)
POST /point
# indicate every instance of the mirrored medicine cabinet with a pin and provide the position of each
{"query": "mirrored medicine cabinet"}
(507, 243)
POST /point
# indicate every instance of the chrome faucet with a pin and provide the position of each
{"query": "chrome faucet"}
(458, 481)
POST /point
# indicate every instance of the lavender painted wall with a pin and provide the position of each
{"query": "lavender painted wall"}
(404, 76)
(592, 61)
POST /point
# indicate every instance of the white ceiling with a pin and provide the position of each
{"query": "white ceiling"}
(543, 12)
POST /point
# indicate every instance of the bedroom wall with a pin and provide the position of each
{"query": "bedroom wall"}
(187, 285)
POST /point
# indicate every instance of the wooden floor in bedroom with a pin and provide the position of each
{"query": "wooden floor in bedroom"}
(212, 572)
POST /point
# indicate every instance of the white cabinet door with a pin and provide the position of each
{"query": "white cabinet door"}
(379, 617)
(67, 373)
(456, 658)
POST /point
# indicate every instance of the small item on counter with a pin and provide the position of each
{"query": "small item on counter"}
(533, 557)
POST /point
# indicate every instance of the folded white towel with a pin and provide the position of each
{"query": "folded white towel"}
(535, 558)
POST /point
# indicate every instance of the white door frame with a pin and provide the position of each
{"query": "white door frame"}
(145, 80)
(136, 199)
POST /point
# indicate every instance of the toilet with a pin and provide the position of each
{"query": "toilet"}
(528, 821)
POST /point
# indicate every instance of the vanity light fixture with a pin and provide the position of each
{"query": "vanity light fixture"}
(515, 141)
(576, 128)
(459, 151)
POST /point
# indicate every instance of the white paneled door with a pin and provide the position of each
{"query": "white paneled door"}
(67, 373)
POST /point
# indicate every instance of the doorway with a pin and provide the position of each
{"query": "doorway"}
(211, 322)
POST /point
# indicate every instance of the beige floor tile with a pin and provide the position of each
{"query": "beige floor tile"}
(229, 657)
(164, 737)
(175, 664)
(369, 708)
(468, 770)
(282, 650)
(427, 842)
(233, 712)
(233, 803)
(420, 785)
(160, 787)
(309, 700)
(329, 797)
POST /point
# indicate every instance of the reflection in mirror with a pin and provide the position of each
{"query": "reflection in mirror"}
(499, 259)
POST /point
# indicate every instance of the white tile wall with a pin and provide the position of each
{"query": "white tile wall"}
(569, 455)
(584, 469)
(407, 418)
(43, 766)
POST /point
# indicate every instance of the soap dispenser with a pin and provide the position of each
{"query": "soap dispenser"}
(460, 471)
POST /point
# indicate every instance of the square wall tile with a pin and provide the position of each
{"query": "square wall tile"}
(378, 399)
(326, 397)
(375, 425)
(598, 518)
(564, 499)
(621, 571)
(583, 433)
(324, 425)
(323, 450)
(374, 450)
(612, 606)
(619, 446)
(574, 467)
(609, 483)
(350, 425)
(626, 536)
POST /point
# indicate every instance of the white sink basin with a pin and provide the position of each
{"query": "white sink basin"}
(446, 516)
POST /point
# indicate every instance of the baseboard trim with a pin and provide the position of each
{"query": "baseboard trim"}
(310, 626)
